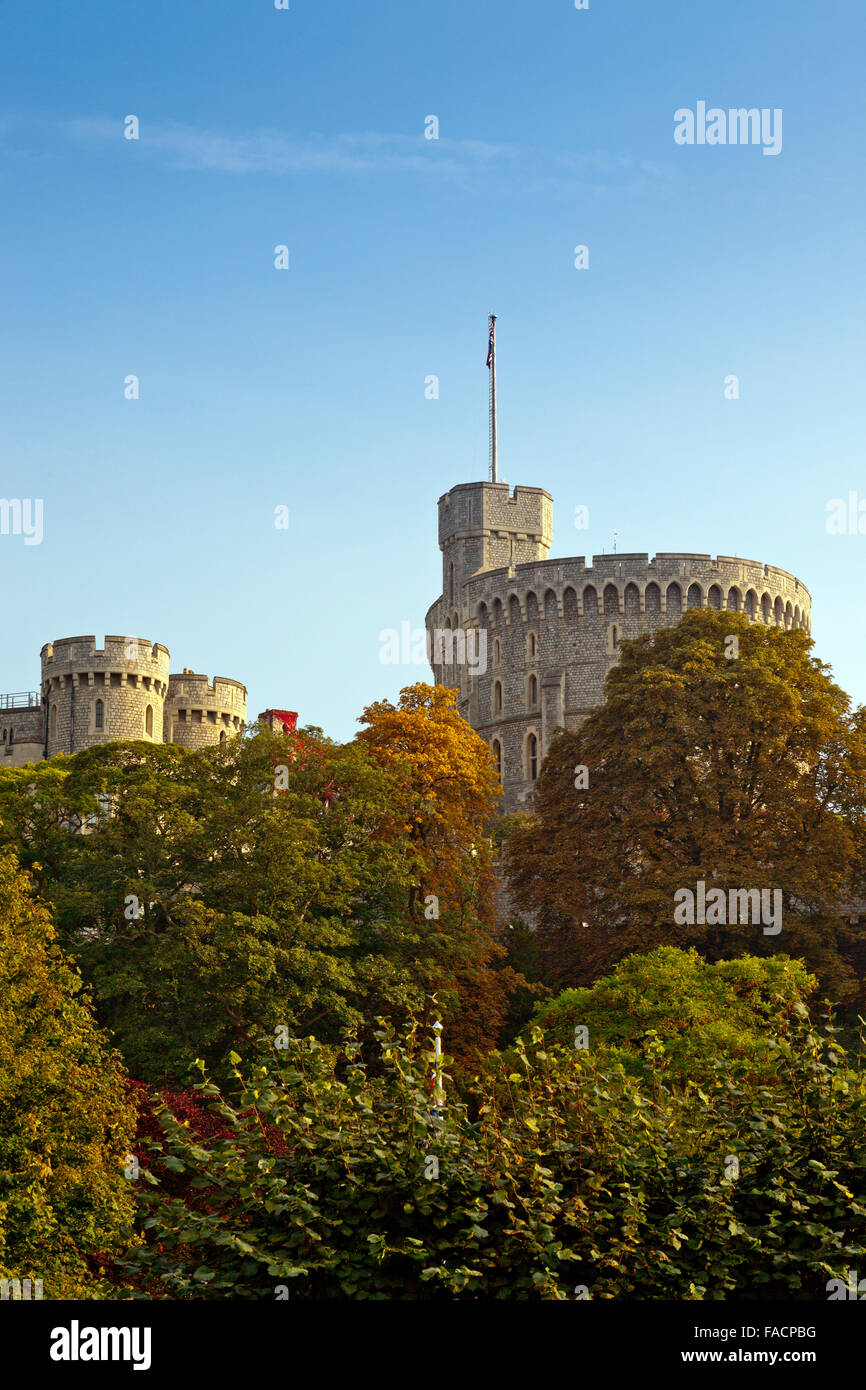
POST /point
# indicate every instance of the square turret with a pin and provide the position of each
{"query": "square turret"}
(482, 527)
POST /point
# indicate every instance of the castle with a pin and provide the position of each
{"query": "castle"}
(550, 629)
(120, 691)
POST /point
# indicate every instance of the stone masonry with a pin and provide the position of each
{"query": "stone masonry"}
(553, 627)
(121, 691)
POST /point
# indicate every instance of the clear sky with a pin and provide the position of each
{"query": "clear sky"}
(306, 387)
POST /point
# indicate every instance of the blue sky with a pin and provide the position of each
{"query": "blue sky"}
(305, 388)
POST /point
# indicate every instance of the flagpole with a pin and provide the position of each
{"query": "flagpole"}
(491, 362)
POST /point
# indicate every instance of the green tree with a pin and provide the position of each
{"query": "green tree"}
(697, 1011)
(274, 882)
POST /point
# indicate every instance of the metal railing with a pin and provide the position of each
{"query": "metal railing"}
(20, 699)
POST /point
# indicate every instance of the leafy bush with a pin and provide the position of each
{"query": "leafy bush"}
(560, 1173)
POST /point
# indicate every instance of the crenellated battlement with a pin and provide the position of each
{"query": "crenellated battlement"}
(192, 685)
(120, 651)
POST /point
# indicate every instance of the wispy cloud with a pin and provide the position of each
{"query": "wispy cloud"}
(178, 146)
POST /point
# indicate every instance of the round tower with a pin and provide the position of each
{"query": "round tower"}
(102, 694)
(527, 641)
(199, 712)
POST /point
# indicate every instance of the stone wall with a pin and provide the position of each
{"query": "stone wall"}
(22, 734)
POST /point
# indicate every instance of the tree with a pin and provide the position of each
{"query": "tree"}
(446, 800)
(737, 772)
(66, 1126)
(271, 883)
(672, 1013)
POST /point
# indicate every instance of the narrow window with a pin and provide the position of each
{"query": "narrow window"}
(222, 736)
(497, 698)
(148, 721)
(98, 715)
(53, 721)
(533, 757)
(497, 757)
(533, 691)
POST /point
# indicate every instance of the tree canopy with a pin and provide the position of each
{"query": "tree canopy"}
(724, 755)
(273, 883)
(66, 1124)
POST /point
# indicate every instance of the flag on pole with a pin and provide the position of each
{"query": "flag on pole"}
(491, 342)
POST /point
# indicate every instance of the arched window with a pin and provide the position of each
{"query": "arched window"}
(497, 757)
(99, 715)
(532, 756)
(532, 646)
(497, 697)
(497, 652)
(533, 691)
(148, 721)
(614, 637)
(222, 736)
(53, 721)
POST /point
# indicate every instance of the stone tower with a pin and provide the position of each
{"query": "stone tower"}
(97, 695)
(199, 712)
(545, 632)
(481, 527)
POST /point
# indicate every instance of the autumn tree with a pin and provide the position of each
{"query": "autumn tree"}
(66, 1126)
(725, 755)
(448, 794)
